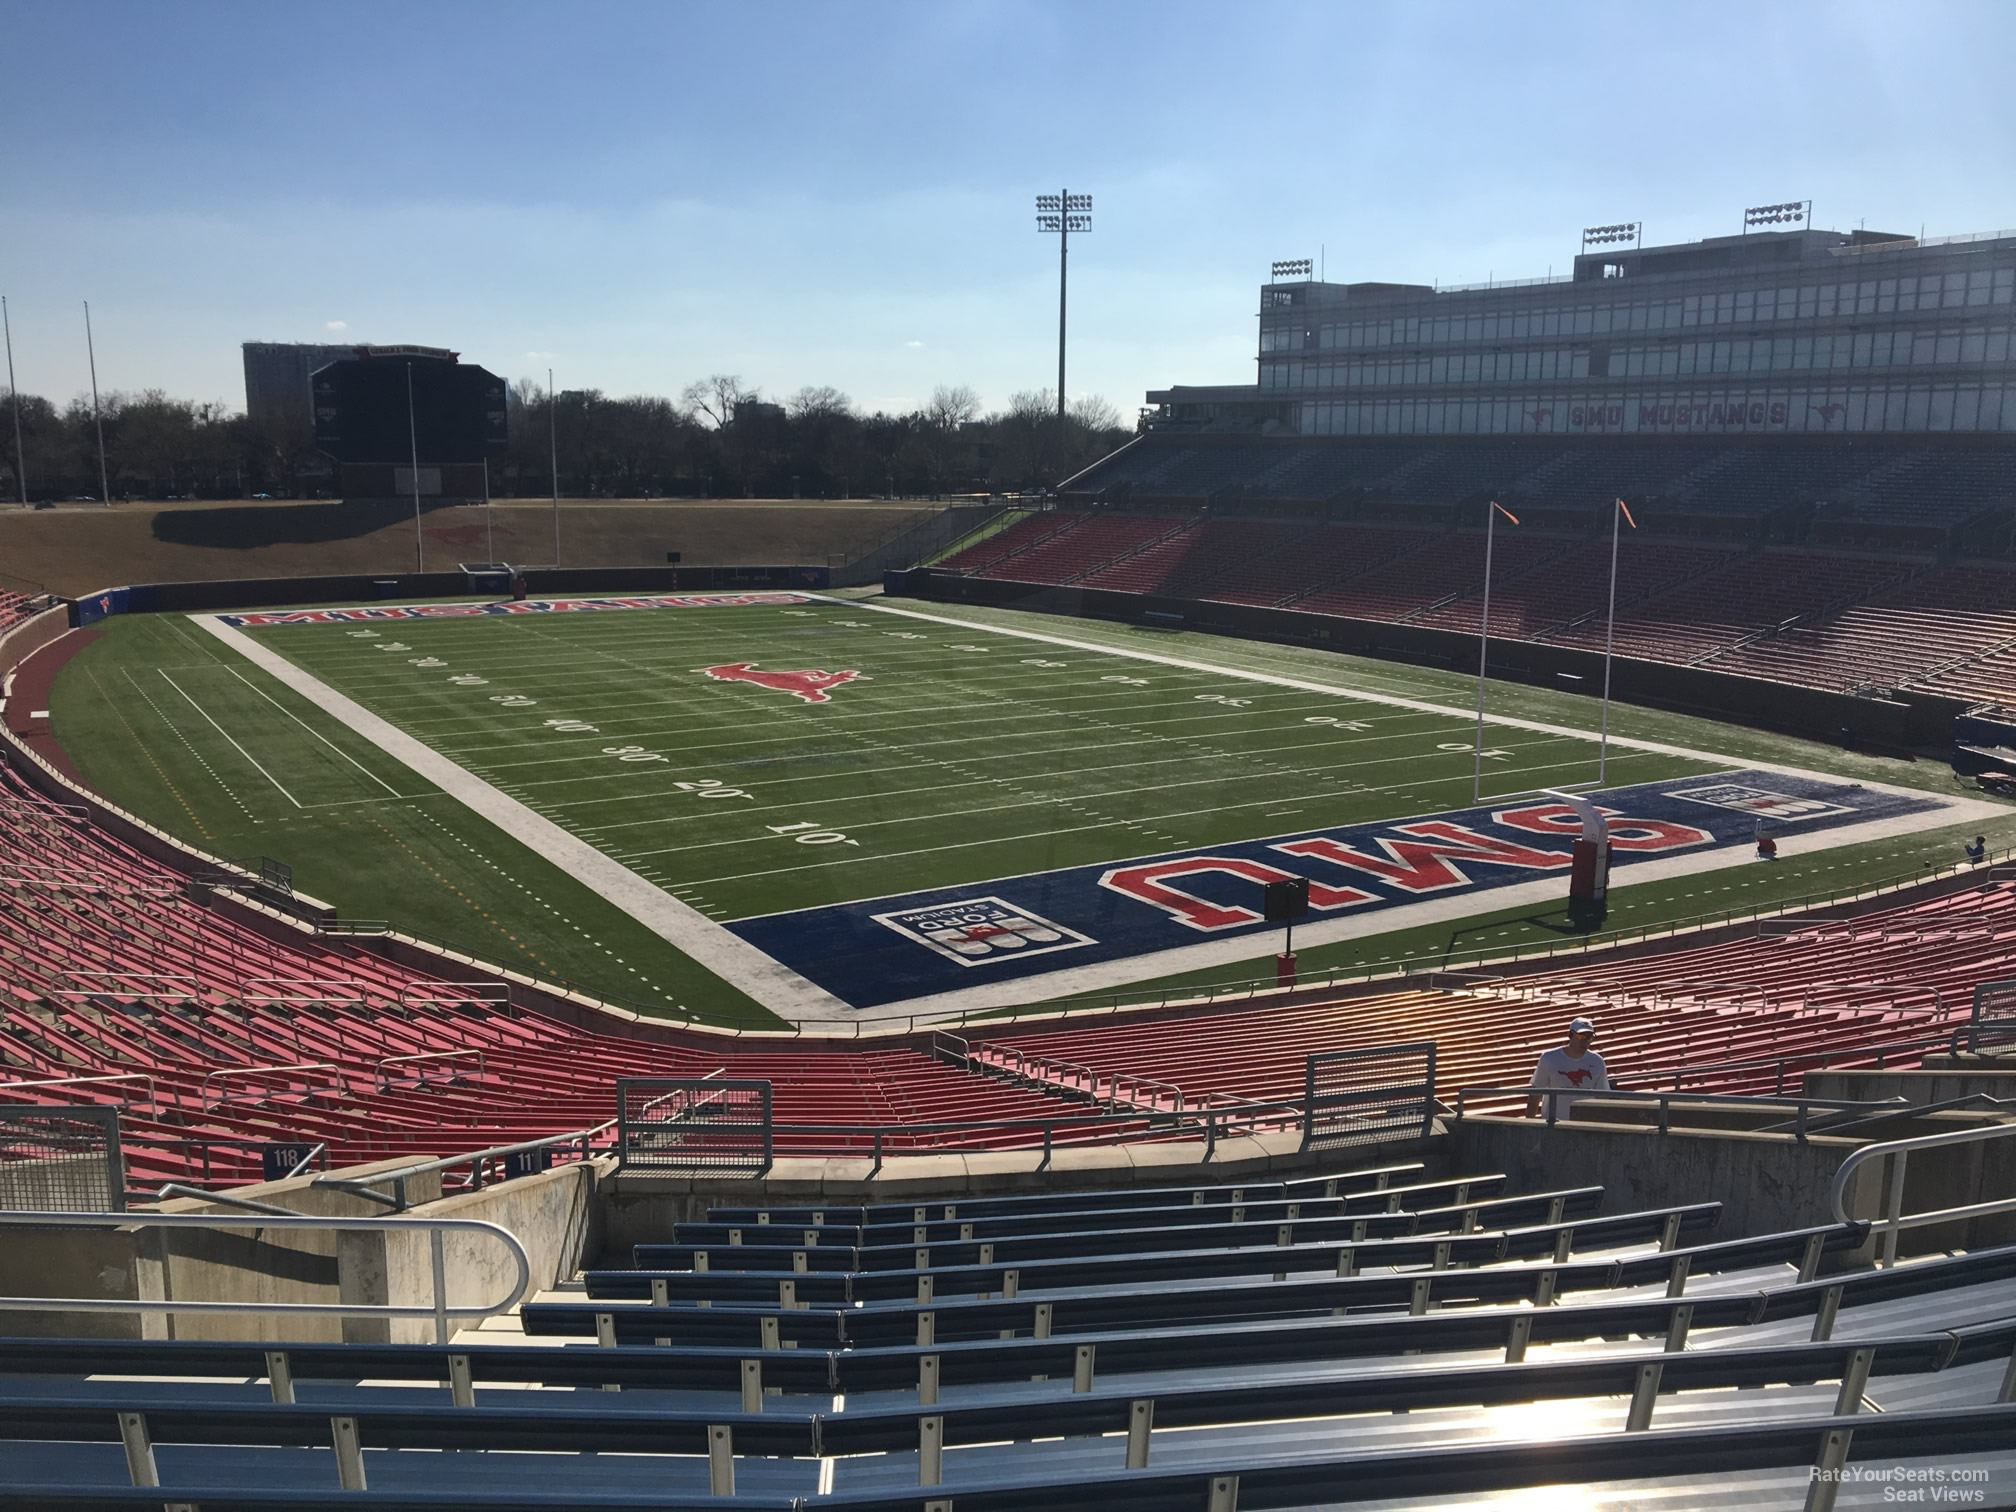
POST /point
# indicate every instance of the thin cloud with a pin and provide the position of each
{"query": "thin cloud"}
(337, 325)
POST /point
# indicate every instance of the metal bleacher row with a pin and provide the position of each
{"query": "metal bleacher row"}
(1824, 619)
(1374, 1336)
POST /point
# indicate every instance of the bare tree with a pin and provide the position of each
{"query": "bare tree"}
(1095, 413)
(951, 406)
(713, 399)
(818, 402)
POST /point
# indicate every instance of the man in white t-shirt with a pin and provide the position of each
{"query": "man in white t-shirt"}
(1574, 1066)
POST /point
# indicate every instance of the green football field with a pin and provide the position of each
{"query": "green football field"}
(937, 751)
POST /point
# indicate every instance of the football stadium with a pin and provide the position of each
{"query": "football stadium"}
(493, 1027)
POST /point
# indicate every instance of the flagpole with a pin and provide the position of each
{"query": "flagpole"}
(97, 417)
(1483, 653)
(1609, 637)
(14, 403)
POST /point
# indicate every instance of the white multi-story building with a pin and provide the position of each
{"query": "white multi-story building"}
(1773, 332)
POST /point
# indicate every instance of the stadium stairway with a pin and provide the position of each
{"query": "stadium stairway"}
(1373, 1336)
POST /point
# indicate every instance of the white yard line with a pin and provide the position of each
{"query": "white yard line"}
(742, 965)
(234, 744)
(316, 733)
(1420, 706)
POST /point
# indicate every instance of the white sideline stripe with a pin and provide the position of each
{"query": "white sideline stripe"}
(316, 733)
(227, 735)
(1420, 706)
(1463, 903)
(685, 928)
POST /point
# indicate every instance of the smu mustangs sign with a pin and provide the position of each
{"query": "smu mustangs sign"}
(891, 949)
(504, 608)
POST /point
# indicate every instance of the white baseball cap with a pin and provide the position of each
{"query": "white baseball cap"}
(1581, 1026)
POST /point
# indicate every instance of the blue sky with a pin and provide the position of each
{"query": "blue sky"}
(641, 194)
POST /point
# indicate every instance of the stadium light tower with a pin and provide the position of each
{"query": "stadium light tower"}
(1063, 213)
(413, 437)
(97, 417)
(14, 403)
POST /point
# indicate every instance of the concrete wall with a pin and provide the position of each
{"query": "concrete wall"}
(1766, 1182)
(556, 1215)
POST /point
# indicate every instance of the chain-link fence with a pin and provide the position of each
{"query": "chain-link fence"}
(694, 1126)
(61, 1160)
(1383, 1092)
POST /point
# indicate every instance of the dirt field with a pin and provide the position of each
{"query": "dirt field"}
(75, 549)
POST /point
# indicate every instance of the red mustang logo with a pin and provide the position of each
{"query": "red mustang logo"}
(807, 684)
(1578, 1076)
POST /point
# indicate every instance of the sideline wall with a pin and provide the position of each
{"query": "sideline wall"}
(1911, 720)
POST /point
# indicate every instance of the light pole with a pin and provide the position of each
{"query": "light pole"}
(14, 403)
(413, 436)
(553, 462)
(1484, 644)
(1063, 213)
(1618, 517)
(97, 418)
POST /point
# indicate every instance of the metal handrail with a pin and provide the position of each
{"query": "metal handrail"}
(183, 1189)
(153, 1097)
(363, 1186)
(203, 1092)
(350, 990)
(194, 986)
(1896, 1153)
(435, 1228)
(1665, 1100)
(492, 992)
(384, 1083)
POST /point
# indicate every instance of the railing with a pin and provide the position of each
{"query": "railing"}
(206, 1102)
(153, 1098)
(189, 987)
(1808, 1060)
(1551, 1097)
(1113, 1089)
(1895, 1154)
(384, 1083)
(1912, 243)
(1978, 1019)
(436, 1230)
(477, 1161)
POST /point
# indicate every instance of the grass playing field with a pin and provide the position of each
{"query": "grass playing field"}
(954, 755)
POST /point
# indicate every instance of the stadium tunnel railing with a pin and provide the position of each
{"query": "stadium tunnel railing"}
(439, 1309)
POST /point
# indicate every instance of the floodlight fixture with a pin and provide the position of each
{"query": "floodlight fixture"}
(1622, 231)
(1790, 212)
(1063, 213)
(1292, 267)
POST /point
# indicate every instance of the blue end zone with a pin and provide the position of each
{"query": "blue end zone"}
(919, 944)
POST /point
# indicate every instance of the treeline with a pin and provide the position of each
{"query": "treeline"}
(718, 439)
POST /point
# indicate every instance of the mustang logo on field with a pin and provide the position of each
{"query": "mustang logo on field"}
(807, 684)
